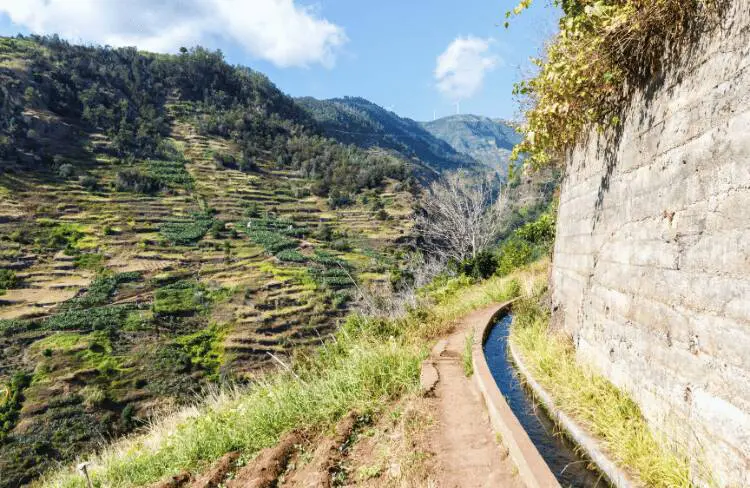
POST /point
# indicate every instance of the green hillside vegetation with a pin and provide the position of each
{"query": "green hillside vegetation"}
(353, 120)
(370, 364)
(166, 223)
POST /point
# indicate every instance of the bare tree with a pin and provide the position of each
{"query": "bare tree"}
(460, 215)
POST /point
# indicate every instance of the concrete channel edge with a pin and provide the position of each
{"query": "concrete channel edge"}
(532, 468)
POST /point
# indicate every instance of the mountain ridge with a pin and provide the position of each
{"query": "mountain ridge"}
(487, 140)
(355, 120)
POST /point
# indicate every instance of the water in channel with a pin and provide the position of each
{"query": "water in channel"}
(560, 455)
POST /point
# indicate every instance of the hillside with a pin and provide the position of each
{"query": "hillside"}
(166, 223)
(352, 120)
(489, 141)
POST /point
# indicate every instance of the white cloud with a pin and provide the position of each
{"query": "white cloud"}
(280, 31)
(461, 69)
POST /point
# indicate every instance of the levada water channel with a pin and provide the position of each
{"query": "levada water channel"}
(570, 468)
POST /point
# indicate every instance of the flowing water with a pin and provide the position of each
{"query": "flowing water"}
(560, 455)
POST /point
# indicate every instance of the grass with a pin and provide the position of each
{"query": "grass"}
(349, 373)
(370, 363)
(466, 356)
(607, 412)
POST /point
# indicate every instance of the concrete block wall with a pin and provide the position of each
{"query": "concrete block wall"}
(651, 272)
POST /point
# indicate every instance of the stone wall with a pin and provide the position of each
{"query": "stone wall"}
(651, 270)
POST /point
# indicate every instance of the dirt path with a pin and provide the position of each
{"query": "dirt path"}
(467, 453)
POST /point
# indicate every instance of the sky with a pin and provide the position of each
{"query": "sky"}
(418, 58)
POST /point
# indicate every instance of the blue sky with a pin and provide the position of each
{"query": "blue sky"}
(388, 51)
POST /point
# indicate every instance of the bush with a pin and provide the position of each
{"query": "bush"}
(605, 50)
(483, 265)
(135, 181)
(324, 232)
(66, 171)
(252, 210)
(93, 396)
(89, 261)
(341, 245)
(514, 253)
(10, 406)
(224, 160)
(248, 164)
(89, 182)
(337, 199)
(8, 280)
(217, 228)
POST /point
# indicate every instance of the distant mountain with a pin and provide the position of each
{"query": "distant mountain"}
(353, 120)
(487, 140)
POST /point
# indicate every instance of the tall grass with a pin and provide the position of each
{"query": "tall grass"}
(349, 373)
(607, 412)
(466, 357)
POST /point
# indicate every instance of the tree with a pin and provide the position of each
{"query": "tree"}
(459, 216)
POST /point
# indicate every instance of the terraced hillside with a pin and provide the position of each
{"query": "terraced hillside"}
(131, 281)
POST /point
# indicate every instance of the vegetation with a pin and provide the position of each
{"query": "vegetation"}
(181, 298)
(353, 120)
(100, 290)
(466, 358)
(10, 403)
(7, 280)
(527, 243)
(460, 216)
(607, 412)
(371, 362)
(124, 93)
(605, 50)
(187, 232)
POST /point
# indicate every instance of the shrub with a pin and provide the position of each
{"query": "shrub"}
(337, 199)
(93, 396)
(224, 160)
(10, 406)
(89, 182)
(217, 228)
(248, 164)
(341, 245)
(324, 232)
(483, 265)
(66, 171)
(540, 231)
(134, 181)
(514, 253)
(604, 51)
(252, 210)
(61, 236)
(8, 280)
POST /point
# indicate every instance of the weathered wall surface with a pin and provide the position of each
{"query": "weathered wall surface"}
(651, 271)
